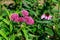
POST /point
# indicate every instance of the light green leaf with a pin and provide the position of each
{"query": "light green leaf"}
(11, 27)
(2, 32)
(25, 33)
(49, 31)
(6, 21)
(12, 37)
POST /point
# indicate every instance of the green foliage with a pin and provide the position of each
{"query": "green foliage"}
(41, 30)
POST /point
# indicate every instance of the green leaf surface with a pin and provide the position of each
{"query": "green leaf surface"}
(3, 34)
(49, 31)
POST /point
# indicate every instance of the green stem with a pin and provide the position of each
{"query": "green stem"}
(25, 33)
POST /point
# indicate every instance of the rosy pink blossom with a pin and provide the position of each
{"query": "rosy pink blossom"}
(17, 20)
(46, 16)
(21, 19)
(14, 17)
(25, 12)
(29, 20)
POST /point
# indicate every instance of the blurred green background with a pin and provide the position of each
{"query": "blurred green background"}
(40, 30)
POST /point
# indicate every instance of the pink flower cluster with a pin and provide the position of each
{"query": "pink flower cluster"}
(15, 17)
(25, 12)
(46, 16)
(29, 20)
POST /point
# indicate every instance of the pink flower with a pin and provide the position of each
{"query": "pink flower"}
(21, 19)
(17, 19)
(46, 16)
(25, 12)
(14, 17)
(29, 20)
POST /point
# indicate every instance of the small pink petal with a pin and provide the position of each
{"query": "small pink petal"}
(17, 19)
(43, 16)
(29, 20)
(49, 17)
(25, 12)
(46, 17)
(13, 16)
(21, 19)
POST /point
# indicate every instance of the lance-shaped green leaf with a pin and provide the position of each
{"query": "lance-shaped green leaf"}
(2, 32)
